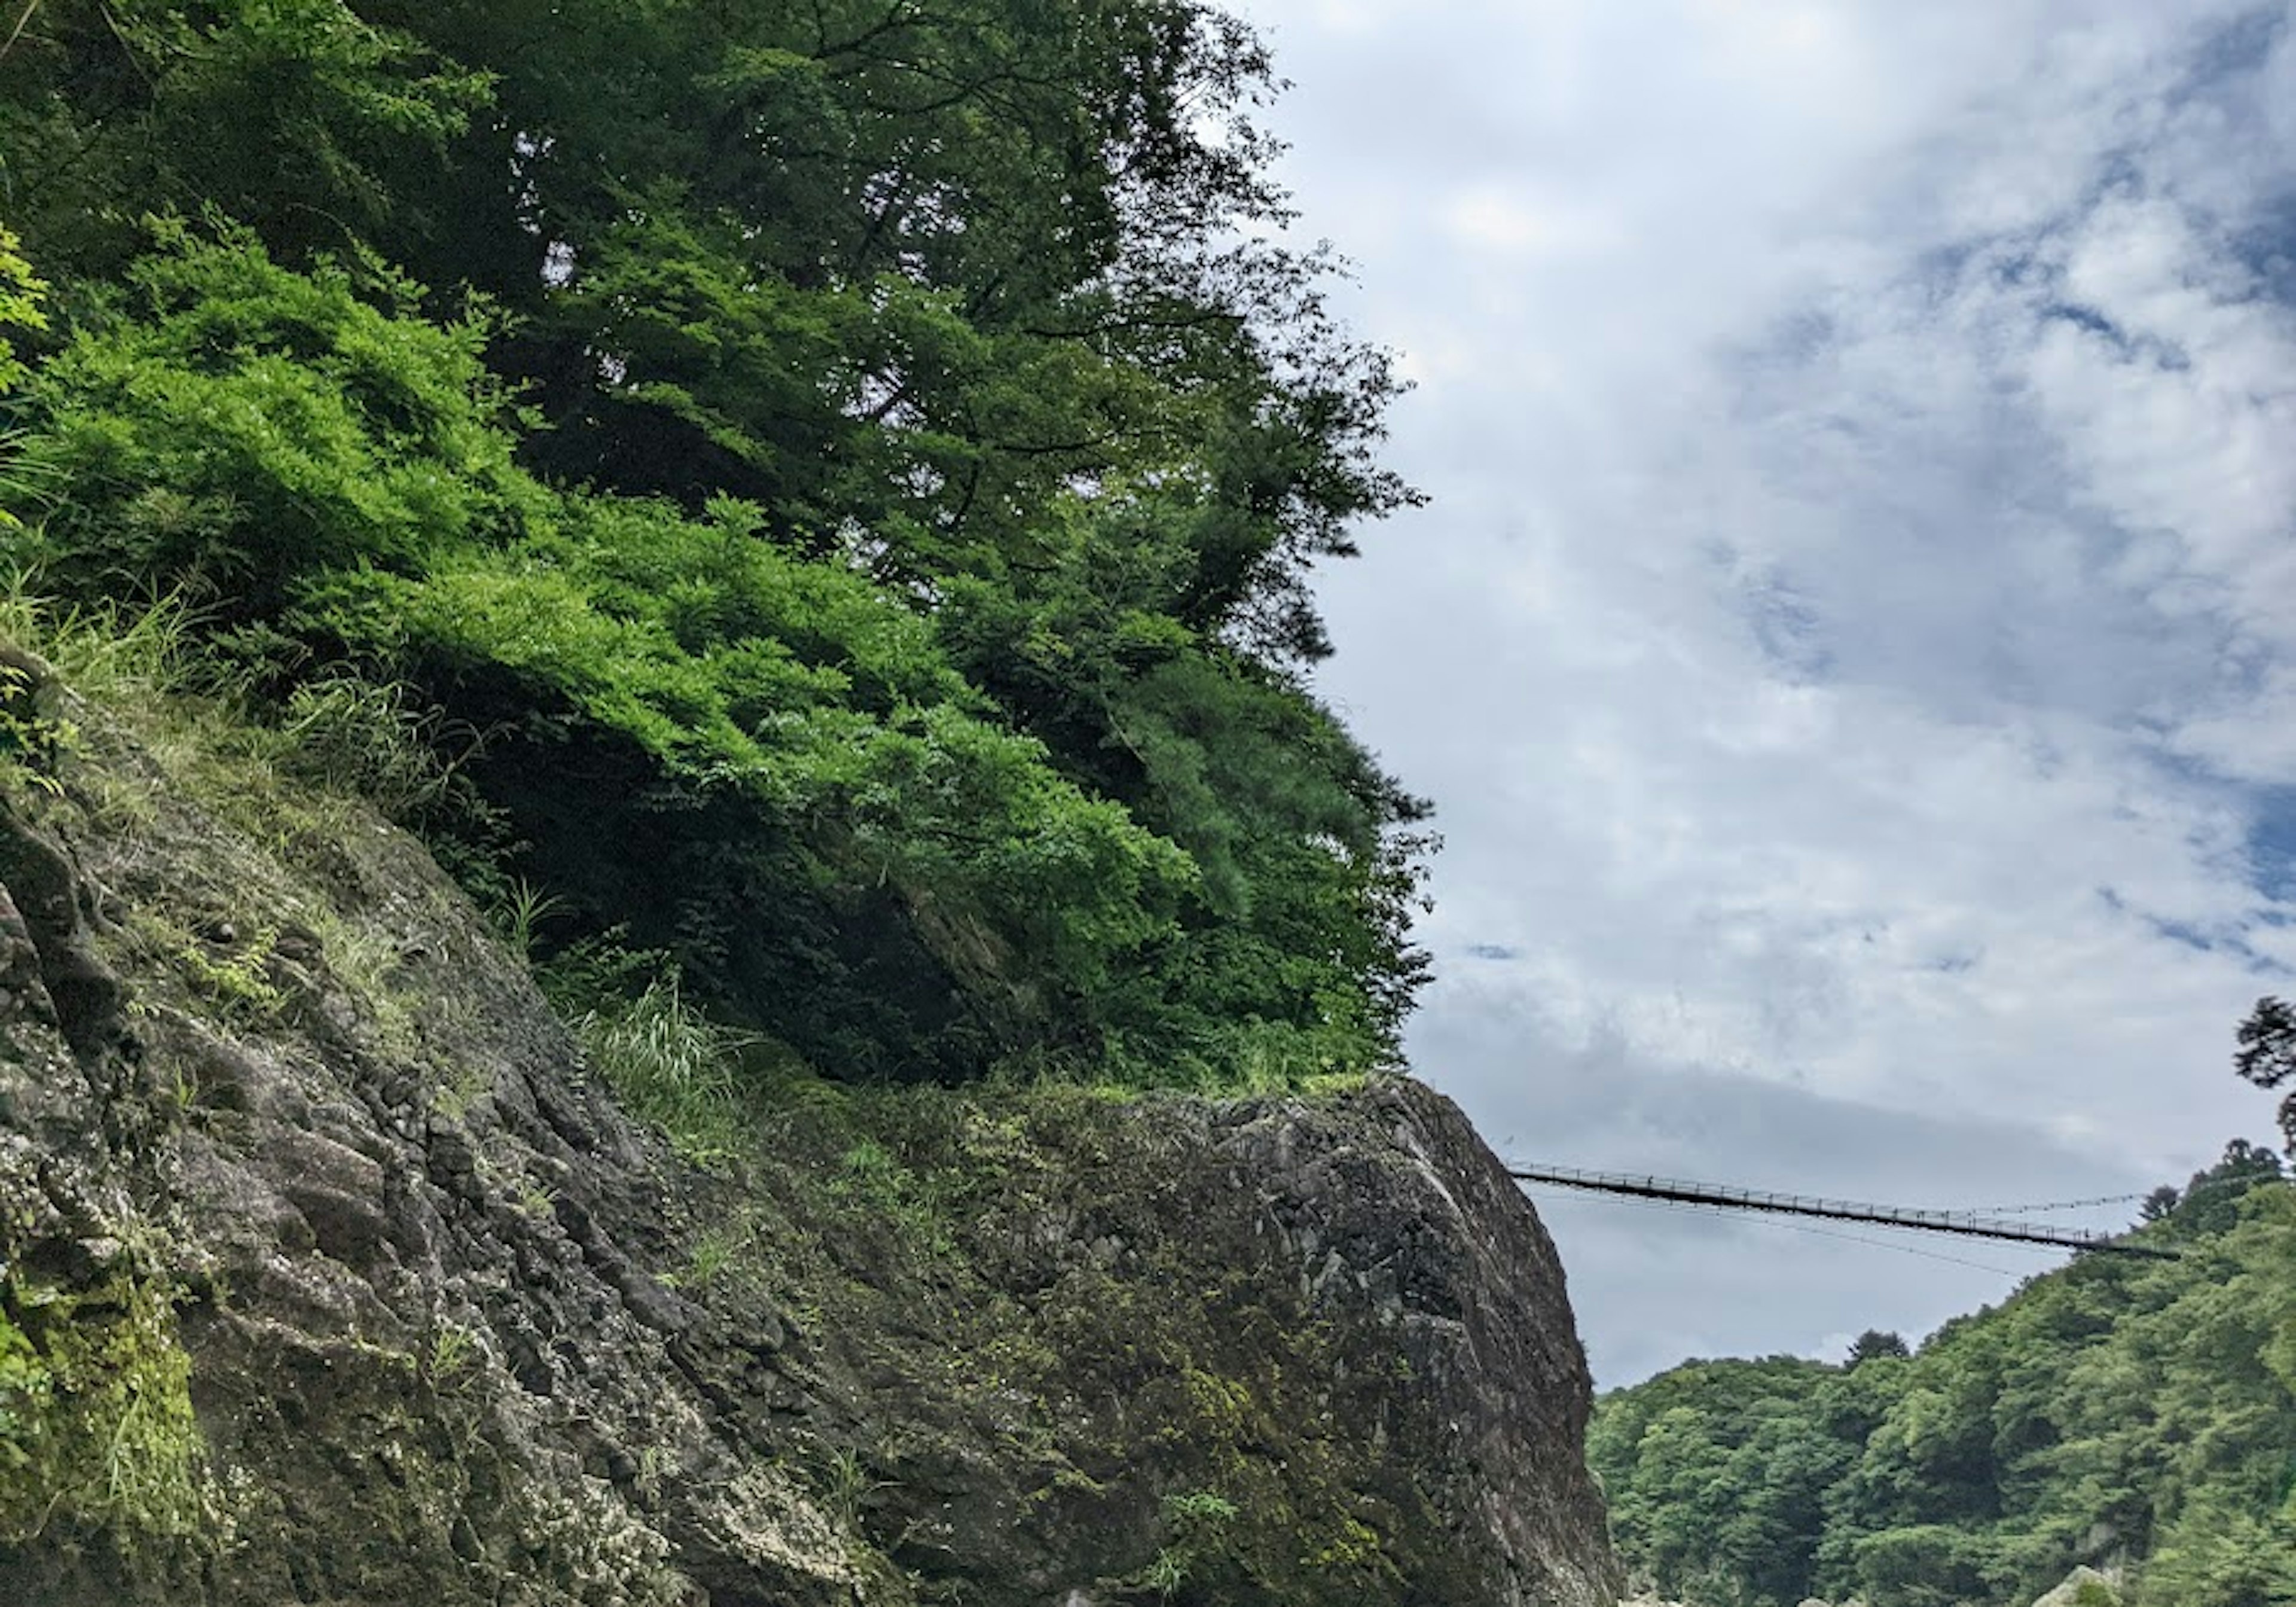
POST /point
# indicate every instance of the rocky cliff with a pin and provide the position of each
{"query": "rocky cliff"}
(334, 1275)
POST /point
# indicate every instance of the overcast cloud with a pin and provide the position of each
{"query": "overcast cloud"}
(1852, 646)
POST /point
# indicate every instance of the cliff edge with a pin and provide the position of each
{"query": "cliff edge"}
(334, 1275)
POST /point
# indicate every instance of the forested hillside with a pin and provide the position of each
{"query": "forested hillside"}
(806, 506)
(2121, 1413)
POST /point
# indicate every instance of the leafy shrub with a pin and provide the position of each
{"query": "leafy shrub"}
(976, 735)
(250, 426)
(21, 294)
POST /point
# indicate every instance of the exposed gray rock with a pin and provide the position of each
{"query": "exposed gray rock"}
(303, 1188)
(2084, 1587)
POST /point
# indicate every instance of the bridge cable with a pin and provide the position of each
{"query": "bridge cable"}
(1725, 1196)
(1714, 1211)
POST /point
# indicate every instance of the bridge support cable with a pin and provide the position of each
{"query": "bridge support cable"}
(1967, 1224)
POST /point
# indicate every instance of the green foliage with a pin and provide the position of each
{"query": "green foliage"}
(2267, 1056)
(300, 116)
(789, 740)
(20, 292)
(251, 425)
(452, 1349)
(236, 979)
(1199, 1506)
(31, 736)
(2133, 1411)
(672, 1067)
(26, 1386)
(356, 736)
(1197, 1525)
(1874, 1343)
(846, 531)
(104, 651)
(1308, 885)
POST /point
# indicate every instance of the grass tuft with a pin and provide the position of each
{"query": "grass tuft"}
(367, 739)
(673, 1067)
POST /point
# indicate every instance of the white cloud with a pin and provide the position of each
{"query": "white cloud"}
(1859, 602)
(1513, 226)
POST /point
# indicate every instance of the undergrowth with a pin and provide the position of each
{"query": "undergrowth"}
(672, 1066)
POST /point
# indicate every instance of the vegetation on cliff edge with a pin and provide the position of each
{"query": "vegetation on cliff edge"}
(832, 486)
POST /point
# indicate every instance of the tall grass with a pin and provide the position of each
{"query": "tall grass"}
(116, 653)
(371, 740)
(672, 1066)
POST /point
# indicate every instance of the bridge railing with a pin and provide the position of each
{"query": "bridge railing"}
(1726, 1196)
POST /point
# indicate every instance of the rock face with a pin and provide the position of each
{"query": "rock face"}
(332, 1275)
(2083, 1588)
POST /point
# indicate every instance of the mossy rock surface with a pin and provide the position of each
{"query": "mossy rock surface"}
(310, 1196)
(2083, 1588)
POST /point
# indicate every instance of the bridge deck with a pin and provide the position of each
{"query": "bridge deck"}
(1968, 1224)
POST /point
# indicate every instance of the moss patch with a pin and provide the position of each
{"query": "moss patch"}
(96, 1431)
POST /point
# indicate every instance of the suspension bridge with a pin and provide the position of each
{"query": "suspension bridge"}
(1972, 1224)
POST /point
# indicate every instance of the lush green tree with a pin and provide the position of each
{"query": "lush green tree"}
(2266, 1055)
(867, 453)
(300, 118)
(2211, 1201)
(1874, 1343)
(892, 270)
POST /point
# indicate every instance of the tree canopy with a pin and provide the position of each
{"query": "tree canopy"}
(849, 472)
(2266, 1055)
(2119, 1411)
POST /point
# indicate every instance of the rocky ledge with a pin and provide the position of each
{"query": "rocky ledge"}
(332, 1275)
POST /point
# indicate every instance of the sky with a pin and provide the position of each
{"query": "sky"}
(1851, 640)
